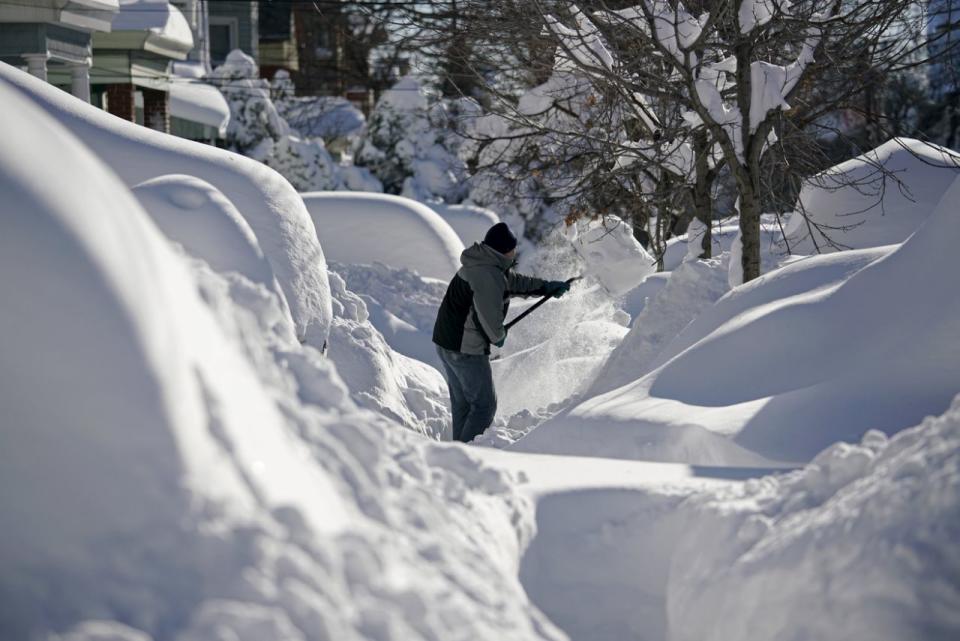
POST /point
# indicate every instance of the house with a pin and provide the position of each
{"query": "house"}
(52, 39)
(325, 48)
(278, 39)
(132, 61)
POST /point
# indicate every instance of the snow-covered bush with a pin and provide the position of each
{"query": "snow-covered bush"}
(411, 145)
(253, 116)
(334, 119)
(258, 130)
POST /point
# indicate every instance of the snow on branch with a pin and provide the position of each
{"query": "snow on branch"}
(581, 45)
(771, 84)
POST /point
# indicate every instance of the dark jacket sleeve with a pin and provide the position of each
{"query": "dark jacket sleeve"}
(520, 285)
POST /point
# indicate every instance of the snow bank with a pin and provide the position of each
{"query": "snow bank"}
(361, 228)
(860, 544)
(691, 288)
(836, 348)
(469, 221)
(174, 471)
(876, 199)
(126, 416)
(664, 304)
(402, 306)
(270, 205)
(404, 389)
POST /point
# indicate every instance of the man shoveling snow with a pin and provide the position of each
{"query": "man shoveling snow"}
(471, 317)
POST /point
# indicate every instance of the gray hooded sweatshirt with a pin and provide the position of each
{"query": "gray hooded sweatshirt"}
(475, 305)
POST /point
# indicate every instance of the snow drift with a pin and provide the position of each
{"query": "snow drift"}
(125, 411)
(876, 199)
(401, 305)
(362, 228)
(860, 544)
(266, 200)
(867, 349)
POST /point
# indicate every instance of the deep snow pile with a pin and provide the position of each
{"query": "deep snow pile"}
(401, 305)
(271, 207)
(207, 225)
(859, 544)
(665, 303)
(872, 200)
(397, 386)
(688, 290)
(735, 388)
(185, 468)
(353, 229)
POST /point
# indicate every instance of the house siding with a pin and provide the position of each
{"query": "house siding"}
(247, 16)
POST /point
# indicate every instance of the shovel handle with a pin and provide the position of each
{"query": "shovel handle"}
(540, 302)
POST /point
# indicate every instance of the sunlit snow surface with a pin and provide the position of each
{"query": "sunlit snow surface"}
(177, 466)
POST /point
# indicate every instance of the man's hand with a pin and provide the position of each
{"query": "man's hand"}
(500, 342)
(556, 288)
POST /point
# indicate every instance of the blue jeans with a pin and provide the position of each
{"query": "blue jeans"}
(473, 400)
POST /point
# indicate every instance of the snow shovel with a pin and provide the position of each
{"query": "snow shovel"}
(536, 305)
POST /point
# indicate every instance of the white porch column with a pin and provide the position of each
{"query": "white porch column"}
(80, 80)
(37, 64)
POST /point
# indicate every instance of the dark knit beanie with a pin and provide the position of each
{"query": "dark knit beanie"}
(500, 237)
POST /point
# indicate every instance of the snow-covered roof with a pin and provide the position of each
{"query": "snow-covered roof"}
(198, 101)
(168, 32)
(95, 15)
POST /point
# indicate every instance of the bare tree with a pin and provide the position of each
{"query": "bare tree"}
(685, 90)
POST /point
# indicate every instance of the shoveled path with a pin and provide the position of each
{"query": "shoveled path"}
(606, 529)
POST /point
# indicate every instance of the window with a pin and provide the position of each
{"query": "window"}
(223, 38)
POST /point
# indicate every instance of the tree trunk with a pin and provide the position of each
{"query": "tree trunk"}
(702, 203)
(750, 233)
